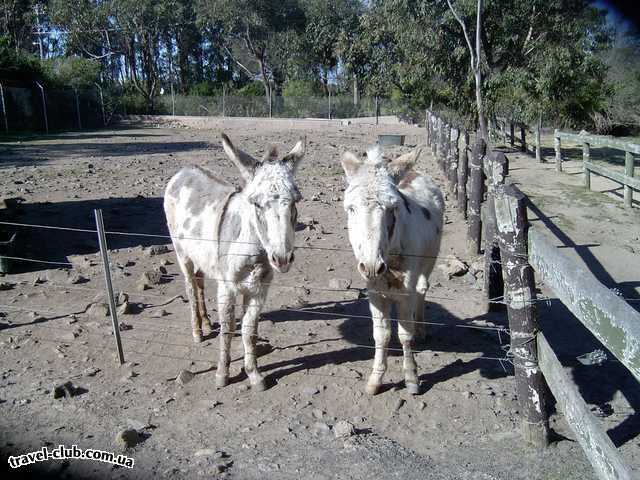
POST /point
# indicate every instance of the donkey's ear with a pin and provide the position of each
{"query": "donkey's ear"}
(403, 164)
(292, 159)
(351, 164)
(245, 162)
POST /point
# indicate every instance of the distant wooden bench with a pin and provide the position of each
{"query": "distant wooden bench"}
(626, 179)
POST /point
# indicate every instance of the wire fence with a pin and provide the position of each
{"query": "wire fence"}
(34, 107)
(155, 329)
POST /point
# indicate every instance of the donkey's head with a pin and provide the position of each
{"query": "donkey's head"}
(272, 195)
(372, 202)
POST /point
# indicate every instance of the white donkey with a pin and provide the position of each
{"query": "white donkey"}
(395, 225)
(236, 237)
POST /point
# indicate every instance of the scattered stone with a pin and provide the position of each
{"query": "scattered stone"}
(467, 394)
(343, 429)
(91, 371)
(38, 279)
(98, 309)
(422, 405)
(154, 250)
(339, 283)
(123, 327)
(310, 391)
(209, 452)
(321, 427)
(64, 390)
(125, 309)
(75, 278)
(128, 438)
(184, 377)
(151, 277)
(6, 286)
(159, 313)
(142, 286)
(317, 413)
(72, 319)
(454, 267)
(70, 336)
(397, 404)
(597, 357)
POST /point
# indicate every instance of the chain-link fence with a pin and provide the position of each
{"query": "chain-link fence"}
(38, 108)
(282, 107)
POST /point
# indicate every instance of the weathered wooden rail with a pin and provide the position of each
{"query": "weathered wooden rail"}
(521, 253)
(626, 179)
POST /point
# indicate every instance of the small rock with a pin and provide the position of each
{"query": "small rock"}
(397, 404)
(123, 327)
(98, 309)
(142, 286)
(6, 285)
(125, 309)
(159, 313)
(422, 405)
(339, 283)
(75, 278)
(317, 413)
(321, 427)
(343, 429)
(128, 438)
(209, 452)
(154, 250)
(310, 391)
(64, 390)
(69, 336)
(467, 394)
(151, 277)
(454, 267)
(91, 371)
(184, 377)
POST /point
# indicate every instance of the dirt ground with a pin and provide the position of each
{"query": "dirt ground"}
(316, 341)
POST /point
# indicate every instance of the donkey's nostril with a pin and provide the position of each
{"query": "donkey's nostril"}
(363, 269)
(274, 259)
(292, 257)
(381, 268)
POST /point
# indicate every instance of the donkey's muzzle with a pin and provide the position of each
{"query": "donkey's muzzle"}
(371, 270)
(282, 263)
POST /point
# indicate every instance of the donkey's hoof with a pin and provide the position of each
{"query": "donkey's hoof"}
(373, 389)
(222, 381)
(259, 386)
(413, 388)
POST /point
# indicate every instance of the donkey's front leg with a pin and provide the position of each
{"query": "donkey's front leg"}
(406, 333)
(380, 309)
(253, 307)
(227, 320)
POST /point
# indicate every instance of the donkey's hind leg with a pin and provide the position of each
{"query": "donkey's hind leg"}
(186, 266)
(202, 306)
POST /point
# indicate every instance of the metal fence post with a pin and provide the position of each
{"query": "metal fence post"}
(104, 117)
(102, 241)
(4, 109)
(173, 102)
(629, 172)
(75, 92)
(223, 100)
(44, 107)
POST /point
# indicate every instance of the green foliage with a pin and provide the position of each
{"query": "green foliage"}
(300, 88)
(72, 71)
(253, 89)
(18, 66)
(205, 89)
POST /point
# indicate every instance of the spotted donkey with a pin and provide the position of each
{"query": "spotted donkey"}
(395, 225)
(236, 237)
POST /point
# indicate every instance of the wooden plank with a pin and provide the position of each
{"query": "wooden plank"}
(601, 141)
(621, 178)
(598, 447)
(606, 315)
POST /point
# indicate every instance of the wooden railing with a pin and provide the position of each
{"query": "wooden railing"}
(626, 179)
(514, 254)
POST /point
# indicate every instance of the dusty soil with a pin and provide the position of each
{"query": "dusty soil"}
(316, 347)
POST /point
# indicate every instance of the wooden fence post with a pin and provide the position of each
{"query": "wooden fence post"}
(538, 140)
(454, 156)
(496, 171)
(476, 192)
(436, 142)
(523, 139)
(586, 153)
(512, 134)
(629, 172)
(520, 294)
(462, 176)
(557, 145)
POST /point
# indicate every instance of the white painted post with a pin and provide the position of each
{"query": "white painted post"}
(4, 109)
(75, 93)
(44, 107)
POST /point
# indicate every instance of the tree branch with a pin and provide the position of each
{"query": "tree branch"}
(249, 72)
(466, 35)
